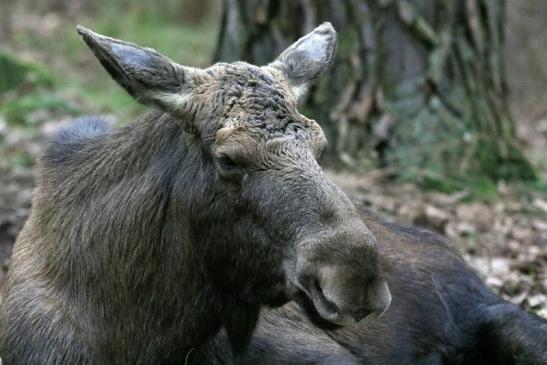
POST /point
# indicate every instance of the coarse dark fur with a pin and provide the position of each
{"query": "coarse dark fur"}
(441, 314)
(144, 241)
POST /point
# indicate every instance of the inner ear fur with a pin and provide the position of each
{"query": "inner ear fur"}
(150, 77)
(307, 58)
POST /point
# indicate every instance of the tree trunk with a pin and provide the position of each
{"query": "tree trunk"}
(418, 85)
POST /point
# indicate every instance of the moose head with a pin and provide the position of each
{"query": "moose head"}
(268, 224)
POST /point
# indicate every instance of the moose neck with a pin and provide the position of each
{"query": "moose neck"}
(129, 253)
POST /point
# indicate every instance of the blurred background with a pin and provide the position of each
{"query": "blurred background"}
(436, 111)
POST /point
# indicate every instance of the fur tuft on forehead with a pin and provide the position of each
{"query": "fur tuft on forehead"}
(247, 106)
(243, 84)
(248, 96)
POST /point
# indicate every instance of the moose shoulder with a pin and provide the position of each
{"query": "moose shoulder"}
(441, 314)
(144, 241)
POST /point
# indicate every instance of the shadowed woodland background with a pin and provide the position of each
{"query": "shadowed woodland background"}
(436, 111)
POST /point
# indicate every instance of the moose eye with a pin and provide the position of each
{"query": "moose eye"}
(226, 163)
(228, 169)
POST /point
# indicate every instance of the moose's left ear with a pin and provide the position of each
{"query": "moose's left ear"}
(307, 58)
(148, 76)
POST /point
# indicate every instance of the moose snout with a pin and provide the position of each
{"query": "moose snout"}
(342, 300)
(339, 271)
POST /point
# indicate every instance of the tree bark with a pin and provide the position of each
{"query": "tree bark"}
(418, 85)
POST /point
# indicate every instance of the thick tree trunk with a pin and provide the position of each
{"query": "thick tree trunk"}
(418, 85)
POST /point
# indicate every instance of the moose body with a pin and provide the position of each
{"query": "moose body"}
(441, 314)
(145, 241)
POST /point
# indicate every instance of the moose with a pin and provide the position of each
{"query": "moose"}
(145, 241)
(441, 314)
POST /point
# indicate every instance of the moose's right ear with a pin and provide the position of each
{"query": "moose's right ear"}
(148, 76)
(307, 58)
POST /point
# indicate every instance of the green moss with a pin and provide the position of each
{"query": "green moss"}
(21, 160)
(19, 111)
(14, 73)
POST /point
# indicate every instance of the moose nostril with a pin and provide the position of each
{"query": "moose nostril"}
(361, 313)
(328, 306)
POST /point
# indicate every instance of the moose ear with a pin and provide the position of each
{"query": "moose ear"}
(307, 58)
(151, 78)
